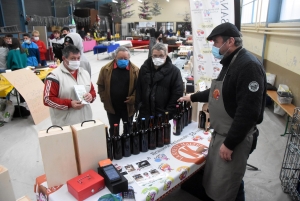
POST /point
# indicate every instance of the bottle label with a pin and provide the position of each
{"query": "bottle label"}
(174, 126)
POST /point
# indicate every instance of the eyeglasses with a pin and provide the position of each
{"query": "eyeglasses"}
(158, 56)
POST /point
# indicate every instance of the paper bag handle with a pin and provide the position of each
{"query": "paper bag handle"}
(53, 127)
(87, 121)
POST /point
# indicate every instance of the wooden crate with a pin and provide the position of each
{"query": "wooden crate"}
(6, 190)
(58, 155)
(90, 144)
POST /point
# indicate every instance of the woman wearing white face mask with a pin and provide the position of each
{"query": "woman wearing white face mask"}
(159, 84)
(59, 93)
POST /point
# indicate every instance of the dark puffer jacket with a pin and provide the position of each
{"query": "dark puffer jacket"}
(158, 90)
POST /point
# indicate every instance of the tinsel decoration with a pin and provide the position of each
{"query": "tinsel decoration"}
(50, 21)
(122, 9)
(145, 11)
(156, 9)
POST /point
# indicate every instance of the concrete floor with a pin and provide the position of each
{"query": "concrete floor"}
(20, 151)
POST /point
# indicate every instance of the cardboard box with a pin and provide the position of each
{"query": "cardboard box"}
(6, 190)
(58, 155)
(85, 185)
(90, 144)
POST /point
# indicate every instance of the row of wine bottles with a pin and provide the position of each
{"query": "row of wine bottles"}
(183, 117)
(140, 138)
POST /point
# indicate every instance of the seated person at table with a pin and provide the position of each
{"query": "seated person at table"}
(116, 87)
(41, 45)
(32, 51)
(59, 93)
(76, 40)
(3, 54)
(159, 85)
(8, 40)
(16, 59)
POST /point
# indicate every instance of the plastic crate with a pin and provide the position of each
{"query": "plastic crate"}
(284, 100)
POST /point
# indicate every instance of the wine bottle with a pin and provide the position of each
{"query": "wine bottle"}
(126, 141)
(177, 122)
(202, 120)
(108, 145)
(117, 143)
(143, 136)
(190, 112)
(181, 116)
(167, 129)
(159, 132)
(135, 139)
(151, 134)
(186, 114)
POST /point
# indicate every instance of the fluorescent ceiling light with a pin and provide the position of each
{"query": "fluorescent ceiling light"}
(140, 0)
(115, 1)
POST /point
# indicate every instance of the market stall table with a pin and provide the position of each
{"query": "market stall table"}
(169, 166)
(103, 48)
(89, 45)
(125, 43)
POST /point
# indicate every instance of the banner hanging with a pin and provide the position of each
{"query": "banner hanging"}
(206, 15)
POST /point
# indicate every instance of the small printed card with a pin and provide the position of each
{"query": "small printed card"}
(80, 91)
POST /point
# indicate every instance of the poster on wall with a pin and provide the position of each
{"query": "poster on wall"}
(206, 15)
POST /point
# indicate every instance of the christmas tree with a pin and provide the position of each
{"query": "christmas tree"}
(156, 9)
(145, 11)
(122, 9)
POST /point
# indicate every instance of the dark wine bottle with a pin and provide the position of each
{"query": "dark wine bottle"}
(160, 132)
(117, 143)
(186, 114)
(108, 145)
(177, 122)
(143, 136)
(135, 139)
(181, 116)
(126, 141)
(202, 120)
(167, 129)
(190, 112)
(151, 134)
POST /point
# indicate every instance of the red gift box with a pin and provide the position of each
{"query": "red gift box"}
(85, 185)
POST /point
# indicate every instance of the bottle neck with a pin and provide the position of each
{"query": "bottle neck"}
(106, 130)
(134, 127)
(143, 125)
(125, 128)
(116, 131)
(167, 118)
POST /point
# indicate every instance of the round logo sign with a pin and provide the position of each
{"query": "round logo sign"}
(189, 152)
(253, 86)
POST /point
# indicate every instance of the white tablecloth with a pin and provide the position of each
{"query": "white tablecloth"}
(174, 162)
(125, 43)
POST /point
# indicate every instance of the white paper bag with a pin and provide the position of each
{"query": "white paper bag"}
(58, 153)
(90, 144)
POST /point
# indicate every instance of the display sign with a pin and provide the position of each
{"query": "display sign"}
(31, 88)
(205, 16)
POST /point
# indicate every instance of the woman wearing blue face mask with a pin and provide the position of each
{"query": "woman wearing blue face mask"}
(116, 87)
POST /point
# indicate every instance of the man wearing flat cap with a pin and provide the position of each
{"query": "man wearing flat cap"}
(236, 105)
